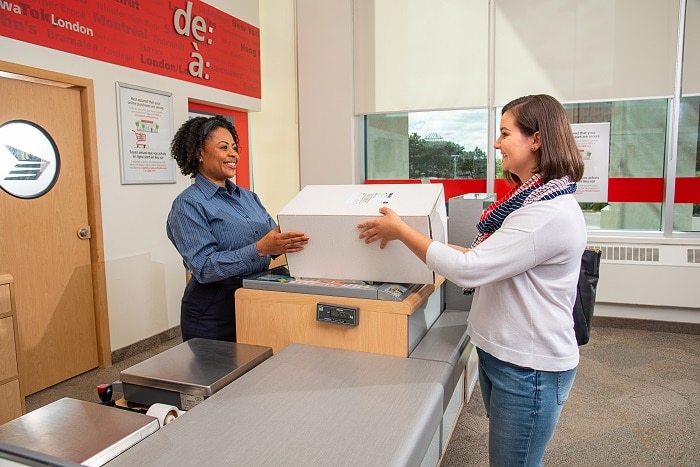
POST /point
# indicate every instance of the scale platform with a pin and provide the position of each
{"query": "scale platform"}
(279, 280)
(74, 431)
(185, 375)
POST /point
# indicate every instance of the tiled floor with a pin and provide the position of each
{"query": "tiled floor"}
(635, 402)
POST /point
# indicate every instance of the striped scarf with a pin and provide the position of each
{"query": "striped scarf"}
(521, 195)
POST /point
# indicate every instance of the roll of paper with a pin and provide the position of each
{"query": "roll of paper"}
(164, 413)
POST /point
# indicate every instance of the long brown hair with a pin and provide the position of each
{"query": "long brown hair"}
(558, 154)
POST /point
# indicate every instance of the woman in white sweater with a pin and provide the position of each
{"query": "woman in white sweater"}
(523, 268)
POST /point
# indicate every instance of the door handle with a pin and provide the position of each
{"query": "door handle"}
(84, 233)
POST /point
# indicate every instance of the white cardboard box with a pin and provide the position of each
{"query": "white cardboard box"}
(329, 215)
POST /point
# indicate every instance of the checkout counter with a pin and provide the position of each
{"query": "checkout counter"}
(387, 319)
(309, 406)
(305, 405)
(156, 392)
(380, 381)
(359, 374)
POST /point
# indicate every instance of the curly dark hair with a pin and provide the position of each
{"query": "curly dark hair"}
(189, 141)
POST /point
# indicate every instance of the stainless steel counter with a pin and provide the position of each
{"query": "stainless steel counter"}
(83, 432)
(308, 406)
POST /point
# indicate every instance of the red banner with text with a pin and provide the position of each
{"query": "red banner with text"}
(186, 40)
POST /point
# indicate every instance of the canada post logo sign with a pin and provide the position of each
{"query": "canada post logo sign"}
(29, 162)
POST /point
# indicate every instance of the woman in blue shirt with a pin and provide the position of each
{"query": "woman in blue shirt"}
(222, 231)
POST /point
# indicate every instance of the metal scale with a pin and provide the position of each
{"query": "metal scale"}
(73, 432)
(187, 374)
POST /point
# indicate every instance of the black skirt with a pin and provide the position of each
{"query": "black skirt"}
(208, 310)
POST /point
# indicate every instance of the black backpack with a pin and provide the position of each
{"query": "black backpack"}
(585, 294)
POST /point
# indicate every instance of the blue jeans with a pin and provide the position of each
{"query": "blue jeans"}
(523, 406)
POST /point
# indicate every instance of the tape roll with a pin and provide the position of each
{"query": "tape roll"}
(163, 412)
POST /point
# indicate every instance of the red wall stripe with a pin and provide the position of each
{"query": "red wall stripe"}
(688, 190)
(620, 190)
(635, 190)
(392, 182)
(458, 187)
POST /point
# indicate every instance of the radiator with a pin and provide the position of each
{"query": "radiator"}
(653, 275)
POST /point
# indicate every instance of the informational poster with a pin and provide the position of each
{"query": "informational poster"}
(593, 141)
(145, 132)
(183, 39)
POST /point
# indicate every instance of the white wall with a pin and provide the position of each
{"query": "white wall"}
(274, 132)
(330, 151)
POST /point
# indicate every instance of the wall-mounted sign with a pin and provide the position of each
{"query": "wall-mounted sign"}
(593, 141)
(145, 131)
(29, 160)
(186, 40)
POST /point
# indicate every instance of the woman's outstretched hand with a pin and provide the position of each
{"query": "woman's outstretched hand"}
(391, 227)
(280, 243)
(385, 228)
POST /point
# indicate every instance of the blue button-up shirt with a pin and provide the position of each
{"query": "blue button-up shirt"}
(215, 233)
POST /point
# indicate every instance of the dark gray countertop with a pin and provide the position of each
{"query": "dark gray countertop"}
(308, 406)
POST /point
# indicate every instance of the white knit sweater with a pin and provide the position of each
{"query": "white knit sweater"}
(525, 276)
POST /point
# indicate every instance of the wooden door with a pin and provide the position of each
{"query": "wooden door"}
(40, 245)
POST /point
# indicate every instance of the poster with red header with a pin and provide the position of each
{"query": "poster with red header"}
(187, 40)
(593, 142)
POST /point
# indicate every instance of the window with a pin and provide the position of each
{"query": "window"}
(653, 170)
(448, 147)
(686, 210)
(638, 132)
(451, 147)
